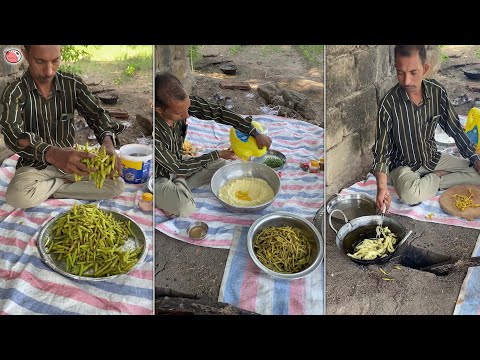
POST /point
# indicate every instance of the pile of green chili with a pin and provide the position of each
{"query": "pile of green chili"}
(90, 241)
(283, 249)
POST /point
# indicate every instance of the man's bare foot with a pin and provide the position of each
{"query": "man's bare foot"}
(441, 173)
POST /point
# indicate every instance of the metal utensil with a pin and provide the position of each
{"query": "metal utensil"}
(353, 231)
(353, 206)
(384, 208)
(239, 170)
(282, 218)
(272, 154)
(139, 239)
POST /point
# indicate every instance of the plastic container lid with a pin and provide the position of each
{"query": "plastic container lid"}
(147, 196)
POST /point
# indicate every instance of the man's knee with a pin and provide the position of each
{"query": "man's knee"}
(186, 208)
(412, 195)
(409, 197)
(20, 199)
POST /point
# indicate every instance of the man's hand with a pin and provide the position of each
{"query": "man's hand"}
(383, 196)
(110, 150)
(263, 140)
(227, 154)
(476, 166)
(382, 191)
(68, 160)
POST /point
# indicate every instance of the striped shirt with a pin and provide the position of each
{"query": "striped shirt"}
(406, 131)
(169, 140)
(49, 122)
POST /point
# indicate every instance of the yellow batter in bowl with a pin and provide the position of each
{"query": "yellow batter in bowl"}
(246, 191)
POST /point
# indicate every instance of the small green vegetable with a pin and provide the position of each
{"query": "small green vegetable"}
(273, 162)
(91, 242)
(103, 162)
(283, 249)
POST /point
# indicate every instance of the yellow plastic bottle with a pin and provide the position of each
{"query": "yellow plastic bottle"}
(245, 146)
(472, 127)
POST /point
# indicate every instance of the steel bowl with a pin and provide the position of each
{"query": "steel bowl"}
(271, 154)
(150, 183)
(282, 218)
(319, 219)
(59, 265)
(241, 170)
(353, 206)
(197, 230)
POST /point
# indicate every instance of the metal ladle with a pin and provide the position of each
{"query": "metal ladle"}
(384, 208)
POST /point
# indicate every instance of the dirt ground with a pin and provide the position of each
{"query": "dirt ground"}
(135, 97)
(189, 269)
(355, 289)
(257, 65)
(196, 270)
(452, 77)
(359, 290)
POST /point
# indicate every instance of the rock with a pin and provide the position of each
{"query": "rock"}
(283, 111)
(434, 59)
(291, 104)
(292, 114)
(295, 97)
(268, 91)
(307, 110)
(145, 123)
(278, 100)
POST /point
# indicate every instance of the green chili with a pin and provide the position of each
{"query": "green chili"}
(283, 249)
(90, 242)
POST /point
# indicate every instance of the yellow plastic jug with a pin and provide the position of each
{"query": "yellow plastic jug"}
(245, 146)
(472, 127)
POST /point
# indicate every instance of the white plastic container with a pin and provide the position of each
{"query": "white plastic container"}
(137, 163)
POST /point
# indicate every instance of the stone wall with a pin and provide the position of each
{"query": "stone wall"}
(174, 58)
(8, 72)
(358, 76)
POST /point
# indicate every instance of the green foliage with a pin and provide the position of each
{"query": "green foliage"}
(130, 69)
(115, 63)
(234, 50)
(112, 53)
(271, 49)
(312, 53)
(73, 53)
(72, 69)
(477, 53)
(443, 56)
(70, 55)
(194, 53)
